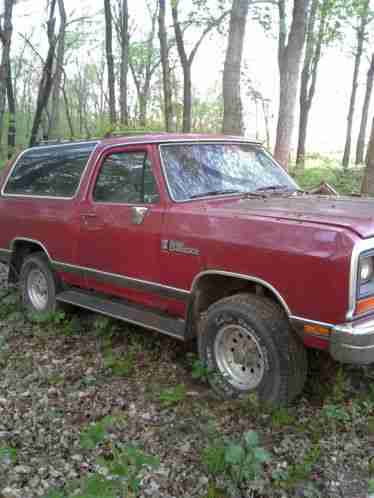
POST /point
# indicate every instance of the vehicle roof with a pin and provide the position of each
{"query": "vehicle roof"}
(152, 138)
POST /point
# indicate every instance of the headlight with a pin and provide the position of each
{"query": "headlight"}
(366, 270)
(365, 277)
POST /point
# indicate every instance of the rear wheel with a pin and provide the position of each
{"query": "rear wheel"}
(248, 346)
(39, 284)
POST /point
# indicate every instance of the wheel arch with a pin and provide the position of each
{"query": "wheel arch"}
(211, 285)
(21, 247)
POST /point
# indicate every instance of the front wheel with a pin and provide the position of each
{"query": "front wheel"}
(248, 346)
(38, 284)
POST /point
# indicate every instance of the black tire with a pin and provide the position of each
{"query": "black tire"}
(33, 265)
(281, 361)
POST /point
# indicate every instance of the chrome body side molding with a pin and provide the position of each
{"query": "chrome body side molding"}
(306, 321)
(33, 241)
(249, 278)
(124, 281)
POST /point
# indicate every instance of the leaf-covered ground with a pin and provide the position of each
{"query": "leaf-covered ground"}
(82, 397)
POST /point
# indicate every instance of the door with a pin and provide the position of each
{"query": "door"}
(121, 221)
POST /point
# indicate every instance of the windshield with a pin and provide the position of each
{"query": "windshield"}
(198, 170)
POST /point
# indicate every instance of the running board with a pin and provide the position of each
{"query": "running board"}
(144, 317)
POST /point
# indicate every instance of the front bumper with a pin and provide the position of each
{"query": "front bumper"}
(353, 342)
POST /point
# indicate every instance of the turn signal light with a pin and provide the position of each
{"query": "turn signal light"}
(365, 305)
(316, 329)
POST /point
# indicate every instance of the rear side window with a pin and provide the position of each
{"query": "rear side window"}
(49, 171)
(126, 177)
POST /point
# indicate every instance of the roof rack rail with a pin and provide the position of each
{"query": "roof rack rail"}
(62, 141)
(131, 133)
(128, 133)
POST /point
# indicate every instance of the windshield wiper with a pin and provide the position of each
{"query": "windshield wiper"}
(273, 188)
(279, 188)
(215, 192)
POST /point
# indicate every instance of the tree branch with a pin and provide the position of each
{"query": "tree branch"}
(207, 30)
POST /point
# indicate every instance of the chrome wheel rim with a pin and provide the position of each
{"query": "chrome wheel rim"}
(239, 357)
(37, 289)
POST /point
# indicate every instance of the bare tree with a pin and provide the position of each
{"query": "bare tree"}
(123, 35)
(58, 73)
(232, 104)
(187, 60)
(367, 186)
(46, 81)
(144, 60)
(360, 37)
(365, 114)
(6, 30)
(289, 59)
(309, 77)
(110, 59)
(164, 50)
(12, 113)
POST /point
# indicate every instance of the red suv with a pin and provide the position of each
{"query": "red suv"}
(195, 236)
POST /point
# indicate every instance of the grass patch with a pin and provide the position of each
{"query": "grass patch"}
(321, 169)
(172, 396)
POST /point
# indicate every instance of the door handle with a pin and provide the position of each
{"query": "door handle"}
(138, 214)
(89, 215)
(88, 220)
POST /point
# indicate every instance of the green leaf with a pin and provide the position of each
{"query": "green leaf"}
(234, 454)
(251, 439)
(261, 455)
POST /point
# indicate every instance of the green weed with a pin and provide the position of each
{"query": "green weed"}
(54, 317)
(336, 414)
(10, 303)
(8, 454)
(200, 370)
(120, 366)
(172, 396)
(239, 462)
(280, 417)
(299, 472)
(122, 477)
(371, 486)
(95, 434)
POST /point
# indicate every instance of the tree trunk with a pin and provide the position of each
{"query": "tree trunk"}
(46, 81)
(124, 68)
(360, 46)
(12, 114)
(187, 99)
(6, 30)
(368, 180)
(143, 109)
(67, 111)
(265, 110)
(110, 60)
(289, 59)
(186, 61)
(186, 67)
(232, 104)
(309, 76)
(168, 105)
(365, 114)
(305, 76)
(59, 68)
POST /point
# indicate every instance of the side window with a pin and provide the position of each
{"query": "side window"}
(49, 171)
(127, 178)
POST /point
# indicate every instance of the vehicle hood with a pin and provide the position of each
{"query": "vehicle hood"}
(354, 214)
